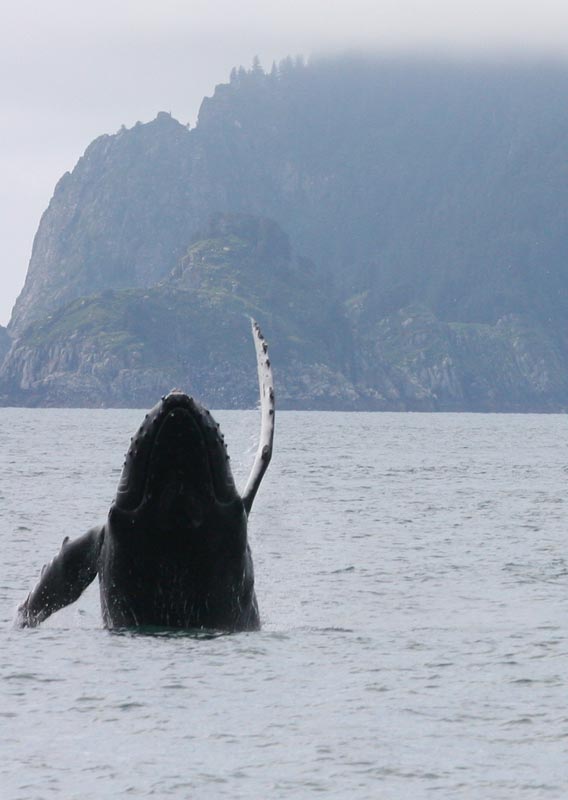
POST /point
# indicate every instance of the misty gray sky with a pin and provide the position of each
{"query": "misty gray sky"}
(70, 71)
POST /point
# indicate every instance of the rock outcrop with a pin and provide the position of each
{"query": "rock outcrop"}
(114, 222)
(5, 343)
(425, 364)
(398, 228)
(125, 347)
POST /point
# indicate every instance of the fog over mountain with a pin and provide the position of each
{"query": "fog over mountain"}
(71, 71)
(422, 202)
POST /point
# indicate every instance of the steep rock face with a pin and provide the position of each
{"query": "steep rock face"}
(430, 365)
(125, 347)
(428, 200)
(114, 222)
(435, 183)
(5, 343)
(124, 367)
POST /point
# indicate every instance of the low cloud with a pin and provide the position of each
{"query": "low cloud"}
(70, 72)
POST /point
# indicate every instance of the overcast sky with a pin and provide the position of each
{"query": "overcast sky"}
(72, 70)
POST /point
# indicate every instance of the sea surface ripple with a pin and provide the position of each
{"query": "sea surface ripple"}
(413, 583)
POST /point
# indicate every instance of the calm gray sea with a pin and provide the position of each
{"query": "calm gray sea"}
(413, 582)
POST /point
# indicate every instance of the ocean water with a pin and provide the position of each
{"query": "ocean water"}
(412, 578)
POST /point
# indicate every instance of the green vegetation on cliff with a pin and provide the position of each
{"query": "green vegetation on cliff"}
(124, 347)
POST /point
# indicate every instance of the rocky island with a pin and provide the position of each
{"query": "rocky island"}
(397, 229)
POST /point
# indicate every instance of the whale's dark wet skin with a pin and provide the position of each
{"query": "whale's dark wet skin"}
(173, 551)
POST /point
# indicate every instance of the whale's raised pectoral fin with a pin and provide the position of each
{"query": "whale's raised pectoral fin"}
(64, 579)
(266, 386)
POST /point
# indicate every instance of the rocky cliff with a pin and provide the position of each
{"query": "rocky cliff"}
(435, 183)
(120, 219)
(125, 347)
(5, 343)
(422, 363)
(398, 226)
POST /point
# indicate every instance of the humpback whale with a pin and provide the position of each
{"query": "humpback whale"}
(173, 552)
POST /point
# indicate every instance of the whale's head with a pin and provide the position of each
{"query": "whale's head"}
(177, 473)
